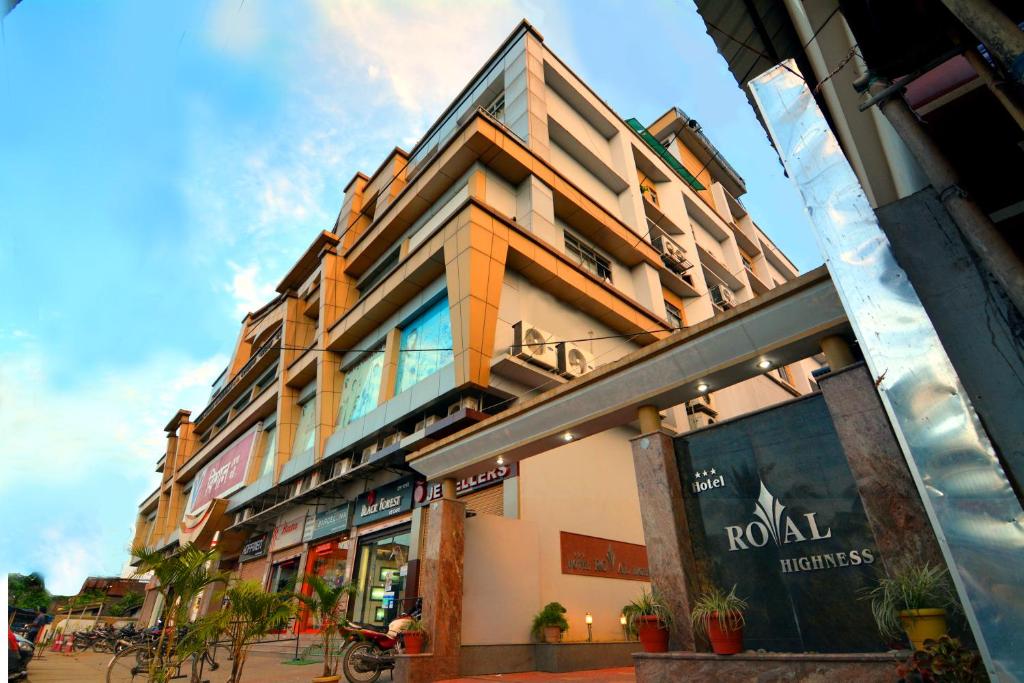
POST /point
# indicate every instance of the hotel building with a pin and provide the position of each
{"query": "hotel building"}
(532, 235)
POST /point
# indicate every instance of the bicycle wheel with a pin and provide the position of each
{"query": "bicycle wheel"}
(129, 665)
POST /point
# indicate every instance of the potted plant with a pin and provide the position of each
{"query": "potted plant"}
(913, 600)
(650, 619)
(944, 659)
(324, 600)
(549, 624)
(414, 637)
(719, 616)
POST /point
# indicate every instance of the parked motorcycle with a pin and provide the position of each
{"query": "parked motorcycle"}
(373, 648)
(19, 651)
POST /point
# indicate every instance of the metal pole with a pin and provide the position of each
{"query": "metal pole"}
(996, 85)
(976, 227)
(996, 30)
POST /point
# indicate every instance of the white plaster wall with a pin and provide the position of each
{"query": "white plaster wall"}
(501, 580)
(708, 241)
(585, 180)
(745, 397)
(521, 300)
(585, 487)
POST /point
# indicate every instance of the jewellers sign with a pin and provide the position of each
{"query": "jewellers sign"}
(384, 501)
(774, 510)
(224, 475)
(428, 491)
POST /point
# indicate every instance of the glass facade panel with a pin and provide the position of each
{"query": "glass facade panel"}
(361, 389)
(329, 564)
(269, 450)
(305, 435)
(378, 579)
(421, 339)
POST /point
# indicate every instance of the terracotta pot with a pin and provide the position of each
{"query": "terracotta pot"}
(414, 642)
(327, 679)
(728, 640)
(653, 635)
(923, 624)
(552, 634)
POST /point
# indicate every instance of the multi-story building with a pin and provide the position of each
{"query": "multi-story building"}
(530, 236)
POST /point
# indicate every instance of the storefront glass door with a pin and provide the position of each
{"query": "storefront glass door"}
(282, 578)
(327, 561)
(380, 585)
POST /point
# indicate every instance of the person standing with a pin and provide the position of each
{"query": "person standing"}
(37, 625)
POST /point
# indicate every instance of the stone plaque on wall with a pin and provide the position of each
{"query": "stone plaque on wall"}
(773, 509)
(603, 557)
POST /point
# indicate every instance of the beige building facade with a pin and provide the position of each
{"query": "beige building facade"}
(532, 235)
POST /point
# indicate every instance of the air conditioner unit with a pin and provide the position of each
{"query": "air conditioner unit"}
(533, 344)
(340, 467)
(393, 439)
(722, 296)
(238, 517)
(468, 402)
(426, 422)
(369, 451)
(247, 513)
(573, 361)
(672, 255)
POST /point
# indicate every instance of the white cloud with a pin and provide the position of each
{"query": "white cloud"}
(249, 291)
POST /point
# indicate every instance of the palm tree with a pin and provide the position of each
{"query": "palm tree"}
(324, 602)
(181, 577)
(249, 614)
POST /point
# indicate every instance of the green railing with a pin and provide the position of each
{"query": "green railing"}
(660, 150)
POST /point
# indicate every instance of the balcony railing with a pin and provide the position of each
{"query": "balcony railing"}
(272, 343)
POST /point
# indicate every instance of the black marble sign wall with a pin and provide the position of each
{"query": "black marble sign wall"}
(774, 510)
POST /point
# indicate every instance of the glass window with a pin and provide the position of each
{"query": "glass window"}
(361, 388)
(305, 435)
(269, 450)
(419, 351)
(586, 256)
(379, 581)
(675, 318)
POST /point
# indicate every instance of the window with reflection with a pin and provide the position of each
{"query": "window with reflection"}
(361, 388)
(305, 435)
(426, 345)
(269, 450)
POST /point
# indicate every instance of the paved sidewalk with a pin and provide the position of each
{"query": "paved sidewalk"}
(622, 675)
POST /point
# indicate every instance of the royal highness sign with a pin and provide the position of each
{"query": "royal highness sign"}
(428, 491)
(224, 474)
(384, 501)
(255, 547)
(330, 522)
(774, 510)
(592, 556)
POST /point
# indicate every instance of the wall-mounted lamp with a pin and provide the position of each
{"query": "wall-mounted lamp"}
(500, 460)
(590, 627)
(622, 623)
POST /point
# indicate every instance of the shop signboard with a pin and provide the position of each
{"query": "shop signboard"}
(255, 547)
(331, 522)
(384, 501)
(603, 557)
(774, 510)
(288, 531)
(224, 475)
(428, 491)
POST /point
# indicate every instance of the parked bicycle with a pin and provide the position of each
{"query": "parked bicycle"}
(132, 664)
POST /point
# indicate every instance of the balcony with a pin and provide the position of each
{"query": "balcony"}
(756, 283)
(259, 361)
(675, 276)
(719, 272)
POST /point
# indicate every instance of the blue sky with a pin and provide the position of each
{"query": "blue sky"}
(162, 164)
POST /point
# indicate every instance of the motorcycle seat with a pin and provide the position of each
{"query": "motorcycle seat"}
(369, 627)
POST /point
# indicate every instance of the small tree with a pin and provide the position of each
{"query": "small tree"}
(127, 605)
(324, 602)
(250, 614)
(181, 577)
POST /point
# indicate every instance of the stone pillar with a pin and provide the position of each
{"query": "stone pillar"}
(650, 419)
(891, 502)
(837, 351)
(666, 533)
(440, 586)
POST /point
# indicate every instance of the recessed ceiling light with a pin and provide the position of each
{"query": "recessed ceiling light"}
(764, 364)
(703, 388)
(567, 436)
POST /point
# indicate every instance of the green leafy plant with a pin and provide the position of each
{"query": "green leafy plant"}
(553, 614)
(911, 587)
(28, 591)
(943, 661)
(127, 605)
(714, 603)
(248, 614)
(415, 626)
(325, 602)
(649, 604)
(181, 578)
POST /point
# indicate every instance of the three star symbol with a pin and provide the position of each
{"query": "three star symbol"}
(706, 473)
